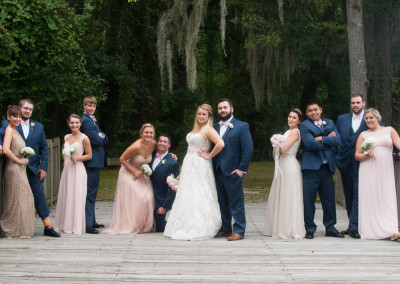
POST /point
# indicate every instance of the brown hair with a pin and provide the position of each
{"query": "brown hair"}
(225, 100)
(89, 100)
(24, 101)
(144, 126)
(74, 116)
(14, 111)
(298, 112)
(358, 95)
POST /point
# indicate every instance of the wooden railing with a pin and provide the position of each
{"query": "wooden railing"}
(52, 179)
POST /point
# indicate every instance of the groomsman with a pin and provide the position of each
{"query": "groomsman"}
(162, 165)
(230, 165)
(320, 139)
(349, 126)
(34, 136)
(97, 141)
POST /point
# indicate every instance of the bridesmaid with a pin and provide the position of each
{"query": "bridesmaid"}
(134, 200)
(285, 214)
(376, 185)
(70, 210)
(18, 218)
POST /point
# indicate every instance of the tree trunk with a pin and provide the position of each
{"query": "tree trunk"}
(358, 67)
(310, 86)
(382, 80)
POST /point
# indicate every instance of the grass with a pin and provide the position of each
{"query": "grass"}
(257, 182)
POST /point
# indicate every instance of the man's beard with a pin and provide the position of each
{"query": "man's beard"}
(227, 117)
(359, 112)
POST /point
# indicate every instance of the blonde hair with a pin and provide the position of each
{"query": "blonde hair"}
(90, 101)
(203, 128)
(375, 113)
(144, 126)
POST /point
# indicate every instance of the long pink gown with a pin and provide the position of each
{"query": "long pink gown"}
(70, 210)
(134, 202)
(377, 207)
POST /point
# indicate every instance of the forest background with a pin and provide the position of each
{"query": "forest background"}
(267, 56)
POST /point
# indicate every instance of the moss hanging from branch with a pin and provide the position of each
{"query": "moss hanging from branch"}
(180, 26)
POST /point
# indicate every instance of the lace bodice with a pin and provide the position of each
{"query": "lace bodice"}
(292, 151)
(196, 142)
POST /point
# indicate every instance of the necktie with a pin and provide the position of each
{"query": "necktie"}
(356, 116)
(223, 123)
(25, 122)
(158, 156)
(318, 123)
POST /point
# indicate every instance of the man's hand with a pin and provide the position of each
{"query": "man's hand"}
(238, 172)
(174, 157)
(161, 211)
(101, 135)
(332, 134)
(1, 150)
(42, 173)
(318, 138)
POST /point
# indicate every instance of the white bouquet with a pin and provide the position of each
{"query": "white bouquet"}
(277, 141)
(68, 151)
(145, 168)
(366, 146)
(173, 182)
(27, 152)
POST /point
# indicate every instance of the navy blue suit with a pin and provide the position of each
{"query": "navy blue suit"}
(164, 196)
(348, 166)
(235, 155)
(37, 141)
(93, 166)
(318, 166)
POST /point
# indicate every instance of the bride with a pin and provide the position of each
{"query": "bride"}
(195, 213)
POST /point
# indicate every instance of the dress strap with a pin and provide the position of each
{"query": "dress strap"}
(83, 136)
(66, 137)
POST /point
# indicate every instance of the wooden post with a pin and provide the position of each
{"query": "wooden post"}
(52, 179)
(339, 194)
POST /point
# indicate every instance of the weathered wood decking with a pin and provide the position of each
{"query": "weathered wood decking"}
(154, 258)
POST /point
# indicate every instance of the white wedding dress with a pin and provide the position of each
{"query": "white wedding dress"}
(195, 214)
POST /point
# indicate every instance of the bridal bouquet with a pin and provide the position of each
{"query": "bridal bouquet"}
(173, 182)
(145, 168)
(27, 152)
(366, 146)
(277, 141)
(68, 151)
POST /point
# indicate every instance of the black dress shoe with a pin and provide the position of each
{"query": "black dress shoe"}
(97, 225)
(49, 232)
(91, 230)
(354, 235)
(309, 235)
(334, 234)
(345, 232)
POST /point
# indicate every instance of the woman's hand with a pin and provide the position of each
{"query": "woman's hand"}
(138, 174)
(204, 154)
(73, 159)
(23, 161)
(371, 153)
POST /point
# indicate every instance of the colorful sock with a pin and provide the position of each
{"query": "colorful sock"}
(46, 222)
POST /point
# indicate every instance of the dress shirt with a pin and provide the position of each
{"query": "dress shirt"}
(158, 160)
(224, 127)
(25, 128)
(356, 121)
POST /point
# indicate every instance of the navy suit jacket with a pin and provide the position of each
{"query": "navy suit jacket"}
(314, 151)
(92, 130)
(164, 196)
(238, 148)
(36, 140)
(345, 156)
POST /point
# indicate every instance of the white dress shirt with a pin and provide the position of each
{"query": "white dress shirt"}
(356, 122)
(25, 129)
(223, 128)
(158, 160)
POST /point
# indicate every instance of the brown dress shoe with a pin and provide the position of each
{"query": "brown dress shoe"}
(223, 235)
(235, 237)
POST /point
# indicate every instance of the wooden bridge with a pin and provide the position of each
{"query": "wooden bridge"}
(153, 258)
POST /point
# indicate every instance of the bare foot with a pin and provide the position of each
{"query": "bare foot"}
(140, 232)
(395, 237)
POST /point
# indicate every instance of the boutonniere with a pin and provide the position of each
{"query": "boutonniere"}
(230, 125)
(32, 125)
(163, 161)
(323, 123)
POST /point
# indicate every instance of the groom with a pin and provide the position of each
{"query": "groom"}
(230, 165)
(162, 165)
(320, 139)
(34, 136)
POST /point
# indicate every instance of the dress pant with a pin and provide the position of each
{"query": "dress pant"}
(38, 193)
(93, 178)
